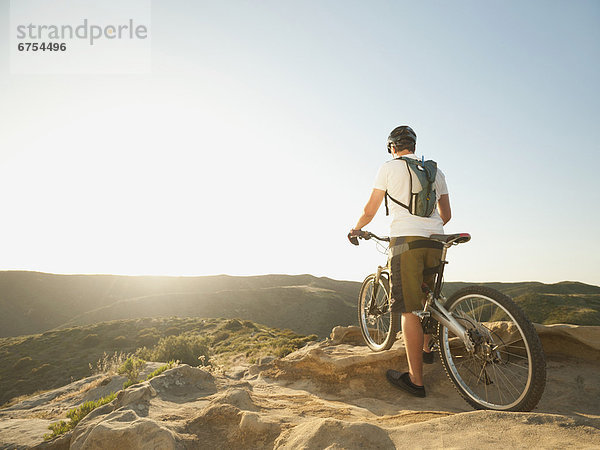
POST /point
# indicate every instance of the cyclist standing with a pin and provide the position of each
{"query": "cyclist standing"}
(411, 252)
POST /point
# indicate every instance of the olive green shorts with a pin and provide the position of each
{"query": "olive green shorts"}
(410, 256)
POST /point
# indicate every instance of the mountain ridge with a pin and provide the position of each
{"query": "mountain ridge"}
(34, 302)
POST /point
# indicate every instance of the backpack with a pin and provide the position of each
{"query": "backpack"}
(422, 191)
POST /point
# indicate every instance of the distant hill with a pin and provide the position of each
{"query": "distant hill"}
(33, 302)
(306, 309)
(565, 302)
(524, 287)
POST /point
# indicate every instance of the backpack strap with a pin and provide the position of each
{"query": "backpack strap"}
(387, 210)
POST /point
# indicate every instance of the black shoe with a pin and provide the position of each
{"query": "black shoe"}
(402, 380)
(428, 357)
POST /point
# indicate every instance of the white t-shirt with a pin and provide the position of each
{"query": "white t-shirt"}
(393, 177)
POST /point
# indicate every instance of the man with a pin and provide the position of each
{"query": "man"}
(410, 253)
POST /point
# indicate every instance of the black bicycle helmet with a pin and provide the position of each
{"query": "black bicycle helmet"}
(401, 135)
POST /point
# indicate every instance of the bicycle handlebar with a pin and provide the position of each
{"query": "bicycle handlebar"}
(447, 239)
(366, 235)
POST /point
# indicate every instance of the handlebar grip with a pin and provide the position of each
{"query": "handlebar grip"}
(355, 234)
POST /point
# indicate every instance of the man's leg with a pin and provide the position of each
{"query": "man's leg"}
(412, 331)
(406, 280)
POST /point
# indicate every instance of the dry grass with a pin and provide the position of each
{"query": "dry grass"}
(85, 388)
(109, 363)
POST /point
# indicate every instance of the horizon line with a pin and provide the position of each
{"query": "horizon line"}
(262, 275)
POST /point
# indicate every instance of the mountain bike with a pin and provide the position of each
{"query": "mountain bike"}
(488, 347)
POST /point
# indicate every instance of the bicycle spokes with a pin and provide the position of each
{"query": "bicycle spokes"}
(376, 321)
(496, 372)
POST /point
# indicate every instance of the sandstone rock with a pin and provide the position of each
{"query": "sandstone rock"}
(124, 430)
(335, 434)
(494, 429)
(252, 423)
(215, 427)
(182, 379)
(347, 335)
(266, 360)
(240, 398)
(60, 443)
(46, 397)
(237, 372)
(141, 393)
(571, 340)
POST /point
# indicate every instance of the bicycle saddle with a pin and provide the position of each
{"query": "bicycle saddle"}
(457, 238)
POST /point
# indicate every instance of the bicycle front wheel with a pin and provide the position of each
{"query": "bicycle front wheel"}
(506, 369)
(377, 323)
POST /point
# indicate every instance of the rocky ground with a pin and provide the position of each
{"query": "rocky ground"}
(331, 394)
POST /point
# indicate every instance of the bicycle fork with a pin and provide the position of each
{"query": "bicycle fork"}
(372, 306)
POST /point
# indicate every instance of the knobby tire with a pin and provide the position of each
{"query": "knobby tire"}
(510, 378)
(379, 330)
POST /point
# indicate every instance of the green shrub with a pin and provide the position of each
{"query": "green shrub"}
(233, 325)
(220, 336)
(152, 330)
(76, 414)
(185, 348)
(280, 352)
(161, 369)
(128, 383)
(146, 340)
(249, 324)
(131, 368)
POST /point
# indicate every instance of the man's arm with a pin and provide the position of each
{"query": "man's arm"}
(371, 208)
(444, 208)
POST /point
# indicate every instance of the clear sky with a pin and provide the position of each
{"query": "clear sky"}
(252, 145)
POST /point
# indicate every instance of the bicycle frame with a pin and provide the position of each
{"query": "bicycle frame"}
(433, 306)
(437, 310)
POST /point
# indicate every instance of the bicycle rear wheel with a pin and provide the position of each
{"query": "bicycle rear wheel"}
(377, 323)
(506, 371)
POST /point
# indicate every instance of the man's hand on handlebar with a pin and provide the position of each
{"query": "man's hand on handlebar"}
(355, 234)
